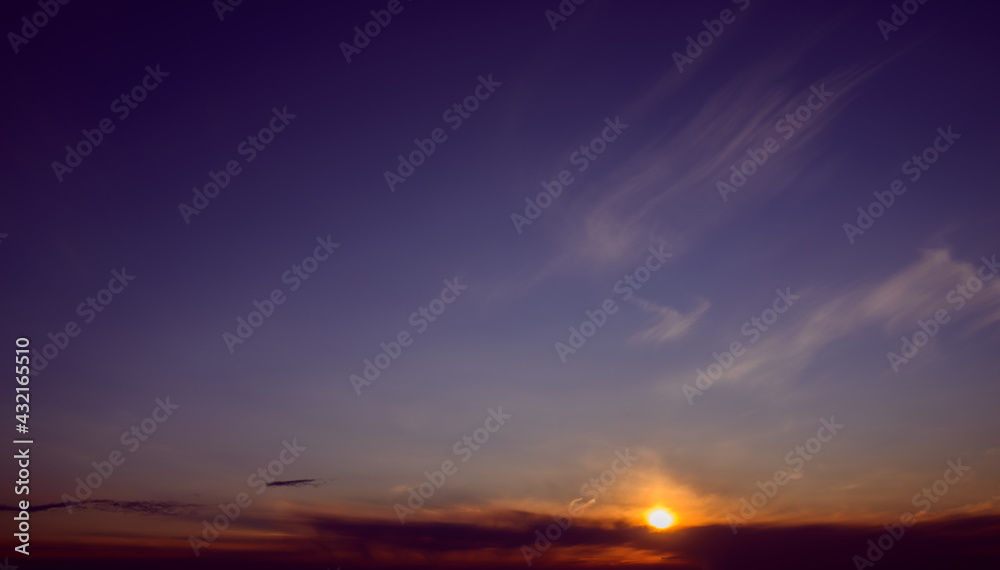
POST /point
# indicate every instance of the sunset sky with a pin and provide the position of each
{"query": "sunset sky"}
(541, 263)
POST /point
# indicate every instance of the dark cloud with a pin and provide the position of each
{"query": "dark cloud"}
(299, 483)
(161, 508)
(926, 545)
(969, 544)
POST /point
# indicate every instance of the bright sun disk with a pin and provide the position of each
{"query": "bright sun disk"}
(660, 518)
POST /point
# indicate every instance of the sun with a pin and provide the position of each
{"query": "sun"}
(660, 518)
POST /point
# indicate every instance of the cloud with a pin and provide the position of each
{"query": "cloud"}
(665, 192)
(149, 508)
(671, 323)
(299, 483)
(892, 306)
(446, 545)
(668, 191)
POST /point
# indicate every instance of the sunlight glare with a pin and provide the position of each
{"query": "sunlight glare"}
(660, 518)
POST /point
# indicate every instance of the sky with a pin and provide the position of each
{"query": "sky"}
(448, 285)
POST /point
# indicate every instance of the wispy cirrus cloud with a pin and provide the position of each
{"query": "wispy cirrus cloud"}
(670, 325)
(665, 192)
(892, 306)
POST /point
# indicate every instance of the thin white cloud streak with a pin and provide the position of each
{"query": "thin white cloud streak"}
(892, 306)
(665, 192)
(671, 324)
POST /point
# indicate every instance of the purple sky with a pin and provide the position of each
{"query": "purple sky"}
(483, 299)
